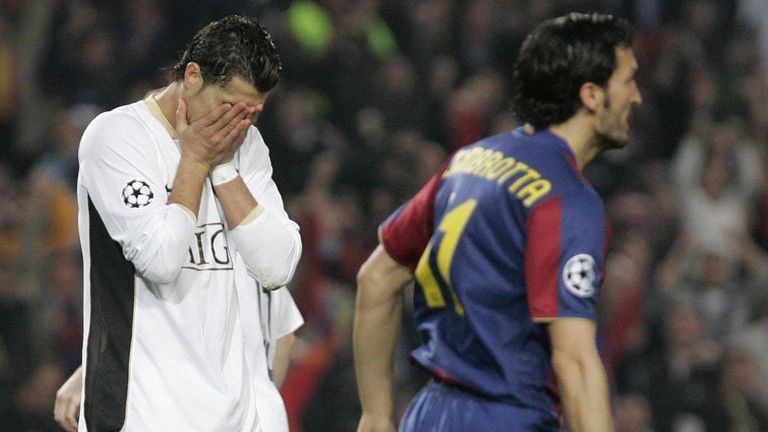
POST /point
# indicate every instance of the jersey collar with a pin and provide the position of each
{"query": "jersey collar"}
(570, 157)
(154, 109)
(547, 135)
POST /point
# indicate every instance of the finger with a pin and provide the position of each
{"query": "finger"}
(230, 117)
(215, 114)
(234, 136)
(182, 122)
(71, 419)
(233, 127)
(74, 413)
(236, 131)
(60, 414)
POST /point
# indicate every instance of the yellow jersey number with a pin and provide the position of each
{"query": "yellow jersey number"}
(452, 226)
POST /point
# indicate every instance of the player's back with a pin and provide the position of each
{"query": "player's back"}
(497, 262)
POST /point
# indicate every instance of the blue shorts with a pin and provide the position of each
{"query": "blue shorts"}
(441, 407)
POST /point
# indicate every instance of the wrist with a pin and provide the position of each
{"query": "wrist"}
(376, 423)
(194, 161)
(380, 416)
(223, 173)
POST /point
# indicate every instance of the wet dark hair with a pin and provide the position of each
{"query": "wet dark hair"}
(230, 47)
(559, 57)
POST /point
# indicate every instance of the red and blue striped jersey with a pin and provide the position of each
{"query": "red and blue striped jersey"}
(508, 236)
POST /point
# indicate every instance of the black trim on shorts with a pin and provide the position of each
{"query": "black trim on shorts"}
(111, 326)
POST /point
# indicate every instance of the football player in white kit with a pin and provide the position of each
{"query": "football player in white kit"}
(279, 319)
(181, 228)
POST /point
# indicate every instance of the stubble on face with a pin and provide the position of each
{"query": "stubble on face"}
(611, 131)
(612, 128)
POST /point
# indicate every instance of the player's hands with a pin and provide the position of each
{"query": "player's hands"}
(214, 138)
(372, 423)
(67, 407)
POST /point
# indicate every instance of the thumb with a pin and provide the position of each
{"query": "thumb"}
(181, 115)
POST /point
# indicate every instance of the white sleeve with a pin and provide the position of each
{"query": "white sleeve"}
(284, 314)
(279, 317)
(119, 169)
(270, 244)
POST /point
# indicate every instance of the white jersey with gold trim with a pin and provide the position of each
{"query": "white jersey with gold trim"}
(174, 336)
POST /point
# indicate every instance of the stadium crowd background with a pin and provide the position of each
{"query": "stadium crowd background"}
(375, 94)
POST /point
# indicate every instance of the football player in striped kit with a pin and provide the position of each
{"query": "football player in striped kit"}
(506, 246)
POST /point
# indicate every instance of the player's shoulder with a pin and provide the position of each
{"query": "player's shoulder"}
(552, 156)
(546, 155)
(556, 162)
(113, 128)
(118, 119)
(577, 207)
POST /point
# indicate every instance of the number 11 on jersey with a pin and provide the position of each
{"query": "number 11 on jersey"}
(452, 226)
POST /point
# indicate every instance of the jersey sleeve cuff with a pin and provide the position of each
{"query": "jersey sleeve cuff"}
(290, 329)
(188, 212)
(256, 212)
(549, 319)
(384, 240)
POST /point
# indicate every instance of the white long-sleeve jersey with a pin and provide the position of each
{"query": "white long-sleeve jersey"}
(173, 339)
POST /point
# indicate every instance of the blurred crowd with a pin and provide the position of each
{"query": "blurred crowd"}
(375, 94)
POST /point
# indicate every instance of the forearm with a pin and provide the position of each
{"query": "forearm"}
(188, 184)
(282, 359)
(236, 201)
(376, 330)
(154, 236)
(584, 390)
(161, 246)
(269, 245)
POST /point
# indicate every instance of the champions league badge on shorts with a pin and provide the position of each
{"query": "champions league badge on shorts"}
(579, 275)
(137, 194)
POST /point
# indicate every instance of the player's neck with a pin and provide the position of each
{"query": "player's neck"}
(168, 100)
(578, 133)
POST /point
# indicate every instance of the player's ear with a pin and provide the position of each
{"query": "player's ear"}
(591, 96)
(193, 78)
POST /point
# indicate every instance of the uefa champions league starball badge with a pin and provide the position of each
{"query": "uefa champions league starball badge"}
(137, 193)
(579, 275)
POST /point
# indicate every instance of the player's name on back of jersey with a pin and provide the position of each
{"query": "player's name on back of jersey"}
(521, 180)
